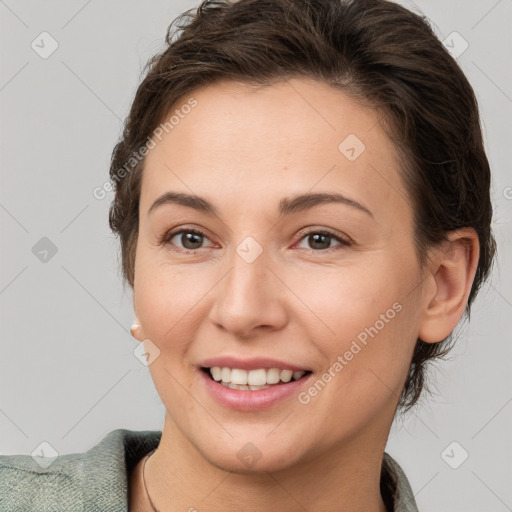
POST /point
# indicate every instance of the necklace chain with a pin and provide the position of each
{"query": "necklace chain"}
(144, 481)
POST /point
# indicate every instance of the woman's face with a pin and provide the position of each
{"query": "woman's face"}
(263, 280)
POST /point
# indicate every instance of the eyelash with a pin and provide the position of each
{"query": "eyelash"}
(167, 237)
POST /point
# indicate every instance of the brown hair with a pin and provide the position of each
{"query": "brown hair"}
(374, 50)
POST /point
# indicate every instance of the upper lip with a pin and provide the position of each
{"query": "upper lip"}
(252, 363)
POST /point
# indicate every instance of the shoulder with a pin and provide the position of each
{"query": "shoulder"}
(93, 480)
(394, 482)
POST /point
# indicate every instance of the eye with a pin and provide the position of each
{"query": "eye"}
(321, 240)
(191, 239)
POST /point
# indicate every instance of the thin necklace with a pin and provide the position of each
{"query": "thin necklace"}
(144, 481)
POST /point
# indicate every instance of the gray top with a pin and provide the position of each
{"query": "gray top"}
(97, 480)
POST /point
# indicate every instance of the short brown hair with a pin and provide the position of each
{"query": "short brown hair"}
(377, 52)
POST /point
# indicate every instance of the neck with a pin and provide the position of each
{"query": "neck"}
(346, 478)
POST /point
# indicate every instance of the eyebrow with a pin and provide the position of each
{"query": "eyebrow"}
(287, 205)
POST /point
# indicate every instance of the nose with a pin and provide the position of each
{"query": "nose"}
(249, 299)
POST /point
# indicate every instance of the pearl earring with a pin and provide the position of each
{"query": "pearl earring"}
(133, 328)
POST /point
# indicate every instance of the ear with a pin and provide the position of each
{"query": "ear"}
(452, 271)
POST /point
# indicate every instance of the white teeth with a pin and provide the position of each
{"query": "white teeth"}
(256, 377)
(273, 376)
(245, 388)
(239, 377)
(226, 375)
(216, 373)
(236, 378)
(235, 386)
(286, 375)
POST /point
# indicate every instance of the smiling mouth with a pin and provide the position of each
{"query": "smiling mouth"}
(253, 380)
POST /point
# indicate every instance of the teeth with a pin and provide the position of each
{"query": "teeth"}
(239, 377)
(216, 373)
(226, 375)
(235, 386)
(245, 388)
(273, 376)
(286, 375)
(254, 377)
(235, 378)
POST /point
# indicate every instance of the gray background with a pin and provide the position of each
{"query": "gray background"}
(68, 375)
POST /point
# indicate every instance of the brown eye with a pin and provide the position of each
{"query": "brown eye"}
(186, 239)
(321, 240)
(191, 240)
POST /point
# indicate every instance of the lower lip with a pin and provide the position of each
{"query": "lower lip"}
(247, 400)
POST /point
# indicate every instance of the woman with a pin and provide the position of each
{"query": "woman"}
(302, 199)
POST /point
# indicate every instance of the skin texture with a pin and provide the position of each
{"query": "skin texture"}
(244, 149)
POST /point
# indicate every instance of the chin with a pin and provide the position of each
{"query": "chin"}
(266, 464)
(246, 457)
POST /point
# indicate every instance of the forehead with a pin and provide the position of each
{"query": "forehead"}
(289, 137)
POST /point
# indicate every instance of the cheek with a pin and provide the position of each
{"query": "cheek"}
(362, 321)
(168, 304)
(341, 302)
(168, 299)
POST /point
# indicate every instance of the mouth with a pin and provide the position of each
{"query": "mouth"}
(253, 380)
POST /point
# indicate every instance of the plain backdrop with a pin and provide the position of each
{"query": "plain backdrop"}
(68, 374)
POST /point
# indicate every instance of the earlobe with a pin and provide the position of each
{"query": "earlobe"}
(453, 272)
(136, 330)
